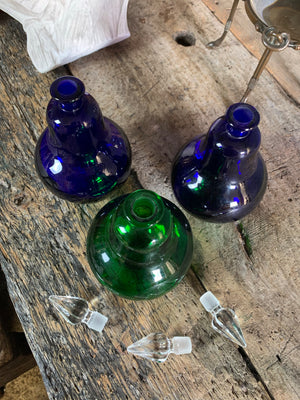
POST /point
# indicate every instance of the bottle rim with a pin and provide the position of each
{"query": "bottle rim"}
(67, 89)
(242, 117)
(143, 209)
(145, 206)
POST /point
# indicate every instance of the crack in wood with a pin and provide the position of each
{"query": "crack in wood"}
(246, 240)
(254, 371)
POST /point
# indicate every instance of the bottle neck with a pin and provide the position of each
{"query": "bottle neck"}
(216, 310)
(237, 133)
(71, 106)
(75, 122)
(141, 226)
(233, 142)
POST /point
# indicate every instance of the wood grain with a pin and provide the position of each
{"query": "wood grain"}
(162, 94)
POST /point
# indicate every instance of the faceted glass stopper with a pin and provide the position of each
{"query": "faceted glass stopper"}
(157, 347)
(75, 310)
(224, 319)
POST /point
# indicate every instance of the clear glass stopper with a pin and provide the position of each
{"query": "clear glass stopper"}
(157, 347)
(224, 320)
(75, 310)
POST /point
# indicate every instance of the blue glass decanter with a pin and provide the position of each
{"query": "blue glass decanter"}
(221, 176)
(81, 155)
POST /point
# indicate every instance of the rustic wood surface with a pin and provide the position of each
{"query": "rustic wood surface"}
(162, 94)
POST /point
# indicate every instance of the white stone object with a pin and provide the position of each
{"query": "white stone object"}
(61, 31)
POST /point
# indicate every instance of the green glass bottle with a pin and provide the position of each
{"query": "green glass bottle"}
(140, 245)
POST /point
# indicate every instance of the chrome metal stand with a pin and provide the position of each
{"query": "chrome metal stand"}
(217, 42)
(273, 40)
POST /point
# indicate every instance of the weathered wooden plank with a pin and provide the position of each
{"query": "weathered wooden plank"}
(164, 94)
(284, 66)
(42, 252)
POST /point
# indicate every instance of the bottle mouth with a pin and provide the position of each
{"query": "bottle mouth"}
(143, 209)
(67, 88)
(242, 117)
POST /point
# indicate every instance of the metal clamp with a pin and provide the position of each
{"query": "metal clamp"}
(275, 40)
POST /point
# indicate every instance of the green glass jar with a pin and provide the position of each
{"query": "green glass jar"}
(140, 245)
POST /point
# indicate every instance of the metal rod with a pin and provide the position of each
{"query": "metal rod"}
(259, 69)
(274, 41)
(217, 42)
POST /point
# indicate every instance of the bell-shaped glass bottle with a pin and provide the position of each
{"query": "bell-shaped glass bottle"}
(157, 346)
(81, 155)
(140, 245)
(222, 176)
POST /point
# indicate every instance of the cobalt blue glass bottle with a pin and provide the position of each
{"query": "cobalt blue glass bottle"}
(81, 155)
(221, 176)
